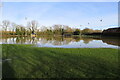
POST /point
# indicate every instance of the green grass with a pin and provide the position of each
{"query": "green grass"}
(26, 61)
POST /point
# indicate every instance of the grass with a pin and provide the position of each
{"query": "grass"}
(26, 61)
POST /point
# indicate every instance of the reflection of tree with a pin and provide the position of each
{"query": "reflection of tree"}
(23, 40)
(56, 40)
(17, 40)
(76, 38)
(112, 41)
(63, 40)
(87, 40)
(43, 41)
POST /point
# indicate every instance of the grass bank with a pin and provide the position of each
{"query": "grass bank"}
(25, 61)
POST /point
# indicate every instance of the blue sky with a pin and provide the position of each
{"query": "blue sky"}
(72, 14)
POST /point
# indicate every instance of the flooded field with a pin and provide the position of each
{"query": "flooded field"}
(64, 42)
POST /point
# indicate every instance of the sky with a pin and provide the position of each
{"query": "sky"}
(60, 0)
(73, 14)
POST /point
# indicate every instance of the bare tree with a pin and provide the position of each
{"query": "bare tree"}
(67, 28)
(33, 26)
(5, 23)
(14, 25)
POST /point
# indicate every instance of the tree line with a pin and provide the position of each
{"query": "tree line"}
(32, 27)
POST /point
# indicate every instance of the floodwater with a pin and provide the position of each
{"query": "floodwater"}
(64, 42)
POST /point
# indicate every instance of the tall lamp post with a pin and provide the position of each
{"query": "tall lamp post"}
(1, 6)
(26, 33)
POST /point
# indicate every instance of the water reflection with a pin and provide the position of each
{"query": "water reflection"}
(59, 41)
(112, 41)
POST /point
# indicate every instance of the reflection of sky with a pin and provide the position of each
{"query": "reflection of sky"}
(81, 44)
(72, 44)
